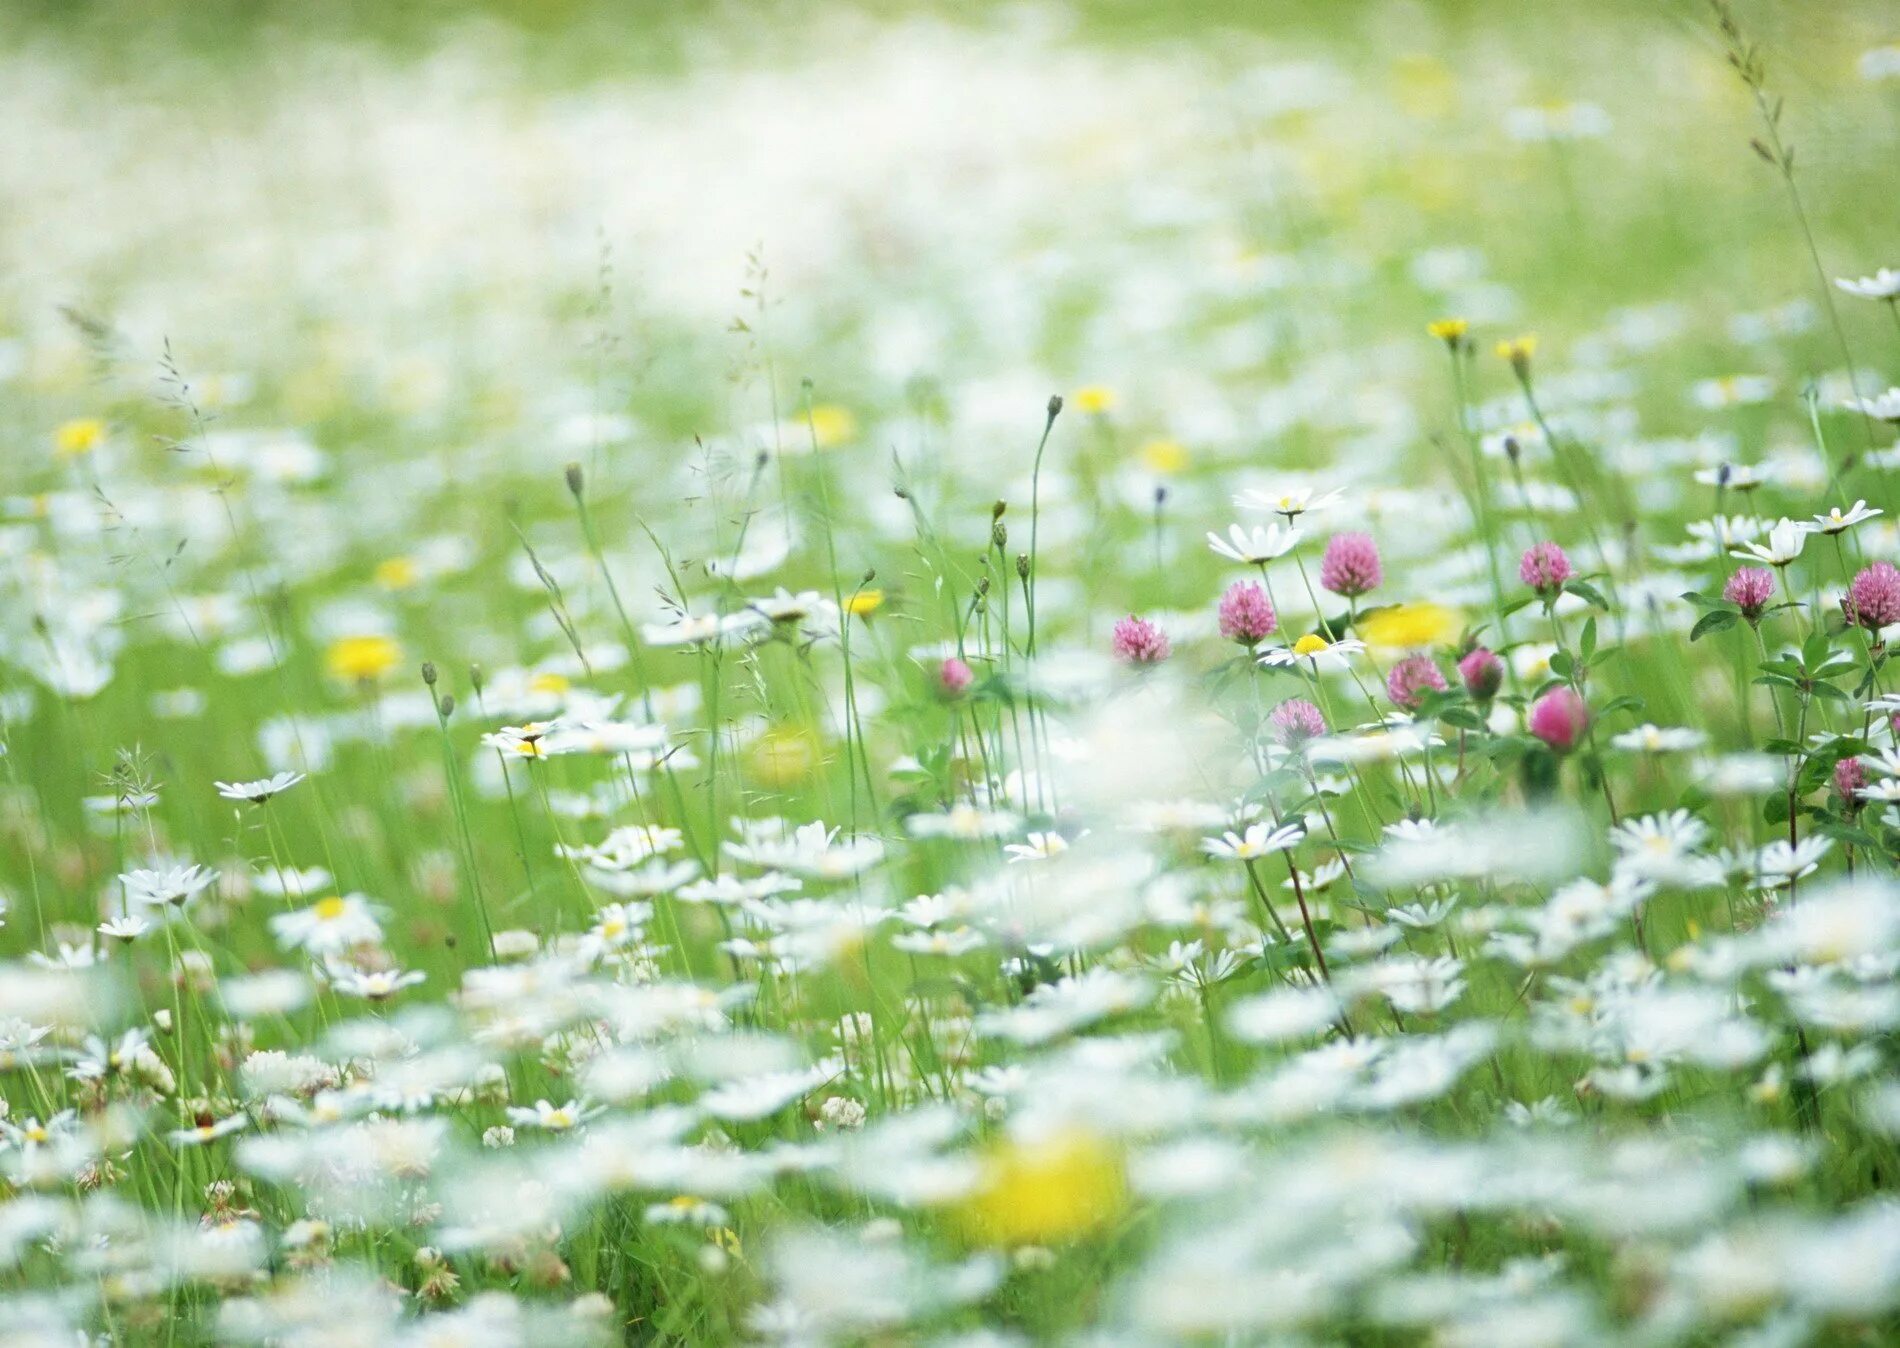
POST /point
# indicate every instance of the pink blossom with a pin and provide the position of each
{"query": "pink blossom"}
(1849, 778)
(1351, 565)
(1246, 615)
(1873, 599)
(954, 677)
(1750, 589)
(1545, 568)
(1482, 672)
(1140, 642)
(1411, 678)
(1296, 721)
(1559, 718)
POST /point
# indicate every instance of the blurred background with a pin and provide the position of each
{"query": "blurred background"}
(1061, 191)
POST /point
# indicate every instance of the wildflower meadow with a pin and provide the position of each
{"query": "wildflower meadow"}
(969, 676)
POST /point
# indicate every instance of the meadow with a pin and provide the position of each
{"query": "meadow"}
(963, 676)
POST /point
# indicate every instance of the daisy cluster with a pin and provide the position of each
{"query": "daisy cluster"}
(1333, 827)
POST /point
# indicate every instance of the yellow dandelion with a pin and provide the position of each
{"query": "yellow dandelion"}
(396, 573)
(549, 682)
(1450, 331)
(1046, 1191)
(1095, 398)
(1164, 456)
(784, 756)
(1518, 351)
(362, 659)
(1408, 626)
(864, 603)
(832, 425)
(79, 436)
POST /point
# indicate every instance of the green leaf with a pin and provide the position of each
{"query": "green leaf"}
(1715, 620)
(1587, 592)
(1587, 642)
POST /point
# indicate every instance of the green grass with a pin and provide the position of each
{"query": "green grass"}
(507, 334)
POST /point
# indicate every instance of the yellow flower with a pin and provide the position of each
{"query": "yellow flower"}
(1450, 331)
(1311, 644)
(362, 659)
(784, 756)
(79, 436)
(1423, 87)
(1045, 1191)
(1094, 398)
(396, 573)
(1518, 351)
(1164, 456)
(1406, 626)
(864, 603)
(832, 425)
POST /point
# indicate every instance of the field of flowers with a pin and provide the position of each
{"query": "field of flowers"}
(1052, 675)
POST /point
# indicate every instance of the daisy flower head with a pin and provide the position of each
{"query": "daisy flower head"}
(1290, 503)
(1139, 642)
(519, 741)
(1544, 568)
(1882, 285)
(1255, 546)
(372, 985)
(1261, 839)
(553, 1118)
(261, 790)
(1350, 566)
(1246, 615)
(1316, 652)
(1838, 521)
(1655, 739)
(1037, 847)
(329, 926)
(1786, 539)
(127, 927)
(1881, 407)
(167, 886)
